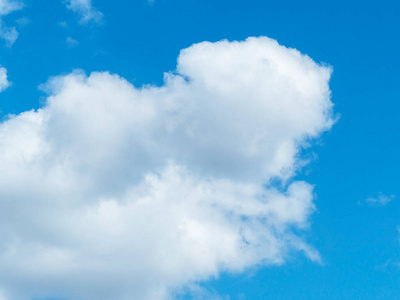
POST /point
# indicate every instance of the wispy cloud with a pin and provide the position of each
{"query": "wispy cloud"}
(24, 21)
(9, 34)
(85, 9)
(4, 83)
(71, 42)
(380, 200)
(8, 6)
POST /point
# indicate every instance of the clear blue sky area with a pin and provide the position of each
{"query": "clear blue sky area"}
(356, 160)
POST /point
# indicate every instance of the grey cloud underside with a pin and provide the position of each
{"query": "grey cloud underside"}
(113, 191)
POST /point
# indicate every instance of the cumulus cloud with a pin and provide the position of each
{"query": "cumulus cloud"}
(9, 34)
(4, 83)
(380, 200)
(113, 192)
(85, 9)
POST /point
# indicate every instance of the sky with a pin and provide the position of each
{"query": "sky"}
(174, 149)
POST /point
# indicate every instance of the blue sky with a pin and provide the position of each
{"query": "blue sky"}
(353, 166)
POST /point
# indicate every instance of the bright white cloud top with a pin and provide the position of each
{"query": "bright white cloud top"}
(85, 9)
(113, 191)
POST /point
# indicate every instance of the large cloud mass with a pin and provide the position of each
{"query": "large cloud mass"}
(111, 191)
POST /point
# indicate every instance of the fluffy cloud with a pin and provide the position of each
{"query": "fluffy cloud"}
(9, 34)
(4, 83)
(85, 9)
(112, 191)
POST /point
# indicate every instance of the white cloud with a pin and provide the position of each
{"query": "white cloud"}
(380, 200)
(4, 83)
(63, 24)
(8, 6)
(24, 21)
(85, 9)
(9, 34)
(114, 192)
(71, 42)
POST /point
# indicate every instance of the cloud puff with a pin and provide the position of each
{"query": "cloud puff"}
(4, 83)
(8, 6)
(114, 192)
(381, 200)
(85, 9)
(9, 34)
(71, 42)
